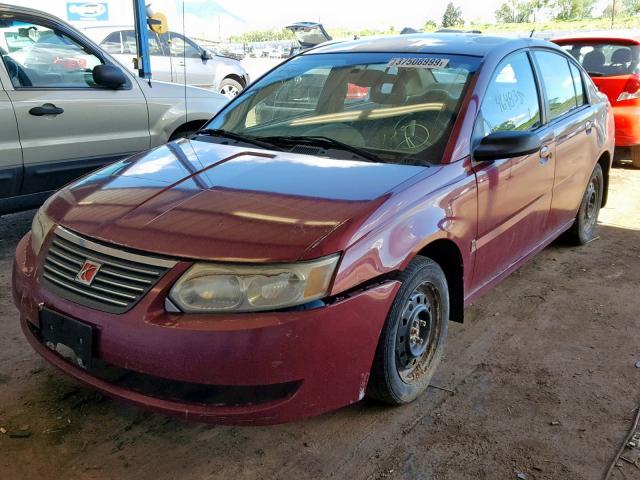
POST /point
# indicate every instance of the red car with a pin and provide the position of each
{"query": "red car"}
(613, 62)
(308, 248)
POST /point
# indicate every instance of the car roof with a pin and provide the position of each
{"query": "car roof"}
(445, 43)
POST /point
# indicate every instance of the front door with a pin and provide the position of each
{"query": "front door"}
(514, 194)
(67, 124)
(11, 156)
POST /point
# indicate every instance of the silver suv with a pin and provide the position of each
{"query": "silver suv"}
(174, 58)
(67, 107)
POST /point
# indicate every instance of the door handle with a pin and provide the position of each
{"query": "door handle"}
(545, 152)
(588, 126)
(46, 109)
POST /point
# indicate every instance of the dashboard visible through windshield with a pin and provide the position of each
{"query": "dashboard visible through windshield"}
(392, 108)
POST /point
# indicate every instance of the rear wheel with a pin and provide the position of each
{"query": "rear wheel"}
(585, 227)
(635, 156)
(412, 340)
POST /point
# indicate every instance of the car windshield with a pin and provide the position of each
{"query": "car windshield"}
(605, 59)
(398, 108)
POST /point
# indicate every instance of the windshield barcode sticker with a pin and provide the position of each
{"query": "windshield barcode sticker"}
(418, 62)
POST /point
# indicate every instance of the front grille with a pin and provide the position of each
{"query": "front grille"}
(123, 277)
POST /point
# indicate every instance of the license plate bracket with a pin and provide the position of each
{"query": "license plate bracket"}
(70, 338)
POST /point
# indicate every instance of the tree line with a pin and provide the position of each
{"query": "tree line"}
(525, 11)
(510, 11)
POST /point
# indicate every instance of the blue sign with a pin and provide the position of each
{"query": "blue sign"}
(87, 11)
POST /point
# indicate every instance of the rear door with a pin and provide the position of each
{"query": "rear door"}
(514, 194)
(161, 66)
(67, 124)
(188, 64)
(572, 121)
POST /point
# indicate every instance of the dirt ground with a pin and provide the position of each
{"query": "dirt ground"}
(543, 377)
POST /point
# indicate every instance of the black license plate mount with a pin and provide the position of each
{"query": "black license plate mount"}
(70, 338)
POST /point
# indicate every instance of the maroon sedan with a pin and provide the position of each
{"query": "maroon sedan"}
(308, 248)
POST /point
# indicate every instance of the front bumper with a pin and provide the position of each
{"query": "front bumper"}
(321, 357)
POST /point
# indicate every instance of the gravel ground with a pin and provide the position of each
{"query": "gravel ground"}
(542, 372)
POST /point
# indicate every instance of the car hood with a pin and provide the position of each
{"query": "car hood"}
(203, 200)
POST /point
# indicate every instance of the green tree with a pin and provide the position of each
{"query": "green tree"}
(621, 9)
(515, 11)
(631, 7)
(452, 16)
(430, 25)
(573, 9)
(537, 6)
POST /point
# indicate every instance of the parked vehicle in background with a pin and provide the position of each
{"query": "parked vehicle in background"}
(311, 243)
(67, 107)
(307, 35)
(174, 58)
(613, 62)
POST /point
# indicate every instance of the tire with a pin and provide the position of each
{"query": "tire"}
(402, 368)
(635, 156)
(230, 88)
(585, 226)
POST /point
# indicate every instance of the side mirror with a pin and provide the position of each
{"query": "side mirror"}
(507, 144)
(206, 55)
(109, 76)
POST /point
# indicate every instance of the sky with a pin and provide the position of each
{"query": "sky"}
(203, 16)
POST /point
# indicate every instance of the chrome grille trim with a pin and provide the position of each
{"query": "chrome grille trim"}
(123, 254)
(121, 281)
(98, 297)
(106, 271)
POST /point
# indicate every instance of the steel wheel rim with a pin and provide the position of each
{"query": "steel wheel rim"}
(417, 332)
(229, 91)
(593, 204)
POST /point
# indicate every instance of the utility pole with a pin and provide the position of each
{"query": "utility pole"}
(613, 12)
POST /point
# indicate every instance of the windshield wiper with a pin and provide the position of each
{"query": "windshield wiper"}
(324, 142)
(218, 132)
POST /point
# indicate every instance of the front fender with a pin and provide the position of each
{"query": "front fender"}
(415, 219)
(165, 118)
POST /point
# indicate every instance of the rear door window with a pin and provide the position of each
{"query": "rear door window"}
(558, 83)
(130, 43)
(577, 84)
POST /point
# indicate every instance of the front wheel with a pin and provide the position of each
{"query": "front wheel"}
(230, 88)
(412, 340)
(585, 227)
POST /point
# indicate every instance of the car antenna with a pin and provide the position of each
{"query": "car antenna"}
(531, 34)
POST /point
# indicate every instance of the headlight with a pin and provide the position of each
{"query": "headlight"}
(249, 288)
(40, 227)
